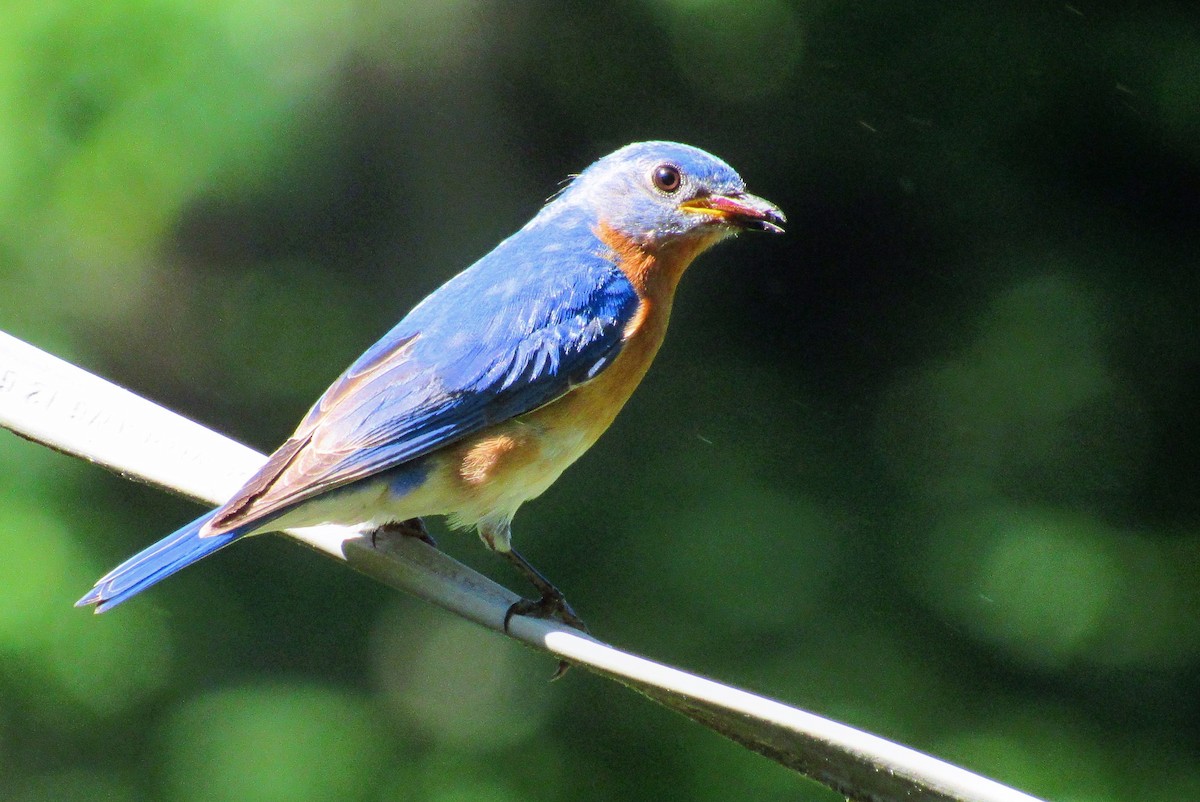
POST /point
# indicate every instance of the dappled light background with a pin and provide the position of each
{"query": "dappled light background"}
(927, 463)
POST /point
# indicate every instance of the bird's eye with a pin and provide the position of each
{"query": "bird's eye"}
(667, 178)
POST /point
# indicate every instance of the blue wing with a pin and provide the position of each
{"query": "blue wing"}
(504, 337)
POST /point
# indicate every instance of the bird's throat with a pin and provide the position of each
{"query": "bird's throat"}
(654, 271)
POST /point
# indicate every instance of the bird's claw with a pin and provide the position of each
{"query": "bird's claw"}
(548, 606)
(551, 604)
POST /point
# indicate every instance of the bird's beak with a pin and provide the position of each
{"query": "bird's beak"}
(740, 209)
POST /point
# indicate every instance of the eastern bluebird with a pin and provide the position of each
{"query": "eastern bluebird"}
(486, 391)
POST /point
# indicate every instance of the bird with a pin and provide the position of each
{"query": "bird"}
(487, 390)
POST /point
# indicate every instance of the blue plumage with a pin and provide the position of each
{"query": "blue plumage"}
(550, 309)
(493, 343)
(177, 550)
(460, 361)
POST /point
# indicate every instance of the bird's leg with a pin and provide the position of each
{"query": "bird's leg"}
(413, 527)
(552, 603)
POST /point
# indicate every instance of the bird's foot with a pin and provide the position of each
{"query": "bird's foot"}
(413, 527)
(551, 605)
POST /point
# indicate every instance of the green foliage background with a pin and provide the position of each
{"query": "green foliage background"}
(927, 464)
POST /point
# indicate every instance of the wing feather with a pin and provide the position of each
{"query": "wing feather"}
(468, 357)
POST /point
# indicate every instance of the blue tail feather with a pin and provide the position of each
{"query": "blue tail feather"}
(150, 566)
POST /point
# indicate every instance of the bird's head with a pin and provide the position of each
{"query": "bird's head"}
(656, 193)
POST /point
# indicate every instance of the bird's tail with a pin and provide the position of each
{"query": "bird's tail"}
(150, 566)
